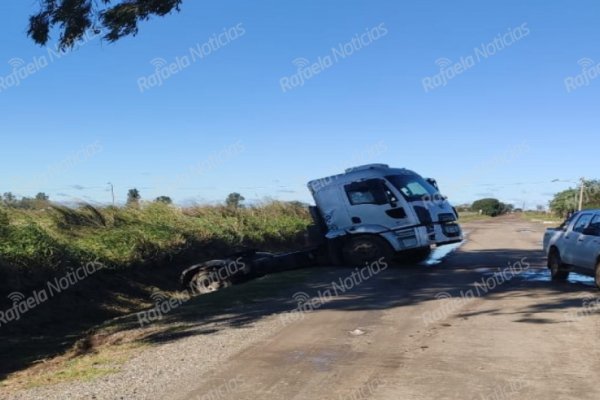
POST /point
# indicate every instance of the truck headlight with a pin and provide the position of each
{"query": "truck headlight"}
(447, 217)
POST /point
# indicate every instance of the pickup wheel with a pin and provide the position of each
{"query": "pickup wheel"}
(557, 268)
(597, 275)
(366, 249)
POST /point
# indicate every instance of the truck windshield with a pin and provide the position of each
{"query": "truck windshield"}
(412, 187)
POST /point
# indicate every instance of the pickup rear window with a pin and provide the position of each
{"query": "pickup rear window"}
(596, 222)
(582, 223)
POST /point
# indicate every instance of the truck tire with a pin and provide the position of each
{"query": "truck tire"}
(557, 268)
(366, 249)
(334, 253)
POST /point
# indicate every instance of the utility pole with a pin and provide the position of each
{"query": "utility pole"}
(112, 192)
(581, 192)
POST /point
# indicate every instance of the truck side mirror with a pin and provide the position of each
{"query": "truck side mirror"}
(433, 183)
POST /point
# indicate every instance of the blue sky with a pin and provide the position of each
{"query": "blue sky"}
(506, 126)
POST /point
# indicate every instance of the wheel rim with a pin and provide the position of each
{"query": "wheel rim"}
(204, 284)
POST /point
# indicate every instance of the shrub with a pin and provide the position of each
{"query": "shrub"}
(491, 207)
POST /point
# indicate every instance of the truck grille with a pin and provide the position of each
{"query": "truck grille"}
(423, 215)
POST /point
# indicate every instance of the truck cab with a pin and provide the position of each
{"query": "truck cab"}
(374, 211)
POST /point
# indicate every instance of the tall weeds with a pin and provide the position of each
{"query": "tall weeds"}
(34, 243)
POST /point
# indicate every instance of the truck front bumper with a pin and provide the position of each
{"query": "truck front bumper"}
(437, 234)
(444, 233)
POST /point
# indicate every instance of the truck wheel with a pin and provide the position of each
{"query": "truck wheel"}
(207, 281)
(557, 268)
(597, 275)
(366, 249)
(334, 253)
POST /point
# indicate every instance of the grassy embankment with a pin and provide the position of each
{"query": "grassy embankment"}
(143, 250)
(34, 243)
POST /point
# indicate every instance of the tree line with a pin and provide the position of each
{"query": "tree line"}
(492, 207)
(567, 201)
(10, 200)
(562, 204)
(134, 198)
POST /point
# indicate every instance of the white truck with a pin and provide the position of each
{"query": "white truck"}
(375, 211)
(367, 214)
(575, 246)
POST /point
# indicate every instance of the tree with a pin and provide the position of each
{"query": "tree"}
(164, 199)
(74, 18)
(507, 208)
(564, 202)
(41, 196)
(568, 200)
(9, 198)
(40, 201)
(133, 197)
(491, 207)
(234, 200)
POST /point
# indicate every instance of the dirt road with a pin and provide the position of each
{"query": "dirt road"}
(486, 323)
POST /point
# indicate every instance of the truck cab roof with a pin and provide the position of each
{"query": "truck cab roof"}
(354, 174)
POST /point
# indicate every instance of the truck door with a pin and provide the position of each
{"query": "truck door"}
(573, 238)
(588, 245)
(372, 202)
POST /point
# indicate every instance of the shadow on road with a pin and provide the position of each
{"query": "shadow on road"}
(476, 272)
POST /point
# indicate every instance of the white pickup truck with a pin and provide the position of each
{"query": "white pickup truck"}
(575, 246)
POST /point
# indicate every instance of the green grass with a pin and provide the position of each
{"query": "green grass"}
(87, 367)
(34, 242)
(542, 217)
(144, 248)
(466, 216)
